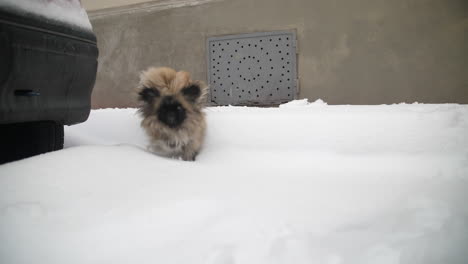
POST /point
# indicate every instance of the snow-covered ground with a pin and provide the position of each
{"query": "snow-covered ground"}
(304, 183)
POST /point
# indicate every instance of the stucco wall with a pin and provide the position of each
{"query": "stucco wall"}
(350, 52)
(100, 4)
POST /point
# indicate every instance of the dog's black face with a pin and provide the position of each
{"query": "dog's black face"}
(170, 97)
(171, 112)
(170, 109)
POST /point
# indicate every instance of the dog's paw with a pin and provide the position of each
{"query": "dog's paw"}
(189, 156)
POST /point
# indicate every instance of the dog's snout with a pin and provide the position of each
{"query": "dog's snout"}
(171, 112)
(168, 100)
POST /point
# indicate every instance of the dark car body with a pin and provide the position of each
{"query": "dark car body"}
(47, 73)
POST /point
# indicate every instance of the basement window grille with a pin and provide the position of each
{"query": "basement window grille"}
(252, 69)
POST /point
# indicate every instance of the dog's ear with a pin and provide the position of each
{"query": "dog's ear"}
(192, 92)
(148, 94)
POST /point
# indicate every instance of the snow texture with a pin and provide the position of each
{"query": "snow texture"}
(303, 183)
(66, 11)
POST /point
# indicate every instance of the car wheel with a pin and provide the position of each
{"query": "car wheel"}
(22, 140)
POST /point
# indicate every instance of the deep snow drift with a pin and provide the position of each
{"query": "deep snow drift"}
(304, 183)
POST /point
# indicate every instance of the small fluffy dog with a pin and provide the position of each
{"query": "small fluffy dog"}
(171, 105)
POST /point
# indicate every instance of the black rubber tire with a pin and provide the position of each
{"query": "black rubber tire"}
(23, 140)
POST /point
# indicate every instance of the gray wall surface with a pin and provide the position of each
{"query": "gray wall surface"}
(100, 4)
(349, 51)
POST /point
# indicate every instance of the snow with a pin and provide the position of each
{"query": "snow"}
(303, 102)
(66, 11)
(303, 183)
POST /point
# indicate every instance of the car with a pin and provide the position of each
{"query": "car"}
(48, 65)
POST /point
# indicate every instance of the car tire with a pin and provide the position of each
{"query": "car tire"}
(23, 140)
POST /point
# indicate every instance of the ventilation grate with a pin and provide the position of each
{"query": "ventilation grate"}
(258, 68)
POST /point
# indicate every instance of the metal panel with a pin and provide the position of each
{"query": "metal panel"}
(258, 68)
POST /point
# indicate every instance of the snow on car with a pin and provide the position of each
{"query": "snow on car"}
(65, 11)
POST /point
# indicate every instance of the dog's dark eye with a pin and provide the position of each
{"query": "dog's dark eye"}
(191, 92)
(148, 94)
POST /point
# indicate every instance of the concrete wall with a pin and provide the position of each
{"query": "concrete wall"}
(350, 51)
(100, 4)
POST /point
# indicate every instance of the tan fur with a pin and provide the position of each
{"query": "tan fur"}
(186, 140)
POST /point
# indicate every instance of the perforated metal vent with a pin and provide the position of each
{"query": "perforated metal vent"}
(258, 68)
